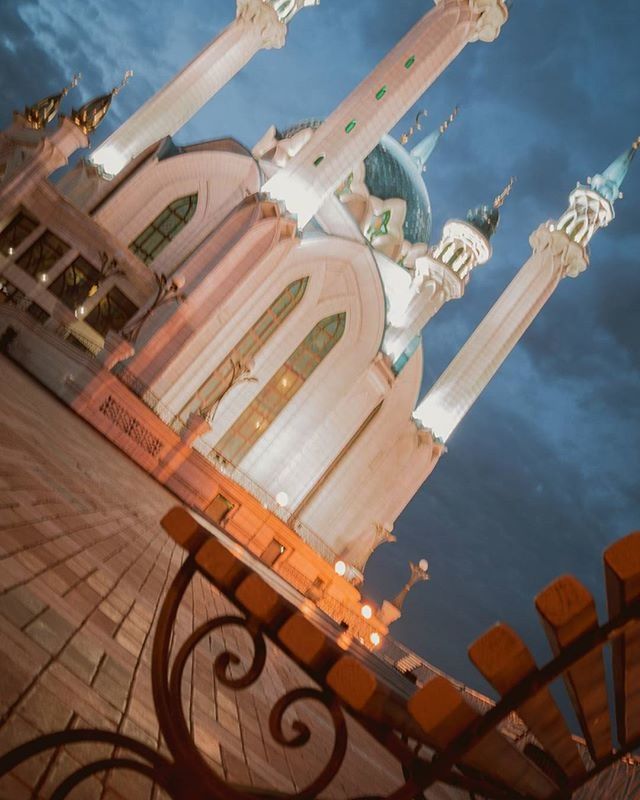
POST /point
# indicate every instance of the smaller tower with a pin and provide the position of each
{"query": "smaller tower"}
(39, 141)
(443, 275)
(559, 251)
(259, 24)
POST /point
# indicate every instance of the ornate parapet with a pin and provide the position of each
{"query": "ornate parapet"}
(488, 17)
(569, 258)
(264, 16)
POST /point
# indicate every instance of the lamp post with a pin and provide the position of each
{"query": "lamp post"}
(419, 572)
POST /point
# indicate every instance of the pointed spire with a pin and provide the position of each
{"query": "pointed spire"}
(422, 152)
(608, 184)
(91, 114)
(40, 114)
(486, 218)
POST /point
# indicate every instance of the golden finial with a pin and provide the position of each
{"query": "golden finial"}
(74, 82)
(40, 114)
(450, 119)
(125, 80)
(499, 201)
(417, 126)
(91, 114)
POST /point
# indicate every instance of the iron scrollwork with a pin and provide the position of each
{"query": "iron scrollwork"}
(187, 775)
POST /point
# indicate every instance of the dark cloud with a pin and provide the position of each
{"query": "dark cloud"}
(542, 474)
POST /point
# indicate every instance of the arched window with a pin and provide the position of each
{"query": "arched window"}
(288, 380)
(164, 228)
(226, 374)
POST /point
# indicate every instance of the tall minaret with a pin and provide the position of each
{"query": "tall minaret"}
(352, 131)
(258, 24)
(559, 251)
(443, 275)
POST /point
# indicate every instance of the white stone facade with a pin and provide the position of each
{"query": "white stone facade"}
(203, 242)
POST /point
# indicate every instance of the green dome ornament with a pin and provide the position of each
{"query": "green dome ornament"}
(486, 218)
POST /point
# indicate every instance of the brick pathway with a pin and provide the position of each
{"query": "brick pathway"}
(83, 567)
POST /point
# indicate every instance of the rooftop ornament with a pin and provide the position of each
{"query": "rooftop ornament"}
(422, 151)
(486, 218)
(40, 114)
(91, 114)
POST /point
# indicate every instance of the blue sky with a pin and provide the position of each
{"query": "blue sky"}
(542, 474)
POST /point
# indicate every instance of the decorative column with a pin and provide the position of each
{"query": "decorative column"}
(352, 131)
(559, 251)
(259, 24)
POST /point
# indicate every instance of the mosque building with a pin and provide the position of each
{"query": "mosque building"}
(247, 325)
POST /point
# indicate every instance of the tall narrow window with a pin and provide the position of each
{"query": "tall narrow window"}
(43, 254)
(111, 313)
(283, 386)
(79, 281)
(222, 378)
(164, 228)
(21, 226)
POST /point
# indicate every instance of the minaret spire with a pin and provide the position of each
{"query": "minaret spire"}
(609, 184)
(559, 250)
(259, 24)
(356, 126)
(421, 153)
(40, 114)
(91, 114)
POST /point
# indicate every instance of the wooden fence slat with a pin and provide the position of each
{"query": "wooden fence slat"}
(504, 660)
(443, 714)
(622, 575)
(567, 611)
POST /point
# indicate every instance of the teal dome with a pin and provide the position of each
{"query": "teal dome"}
(392, 172)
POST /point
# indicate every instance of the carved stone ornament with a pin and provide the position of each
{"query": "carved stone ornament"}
(490, 17)
(568, 256)
(263, 15)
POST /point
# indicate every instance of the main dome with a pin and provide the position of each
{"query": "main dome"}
(391, 172)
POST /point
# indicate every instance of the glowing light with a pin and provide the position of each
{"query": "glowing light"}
(340, 568)
(43, 277)
(282, 499)
(79, 312)
(10, 251)
(110, 159)
(366, 611)
(298, 196)
(374, 638)
(423, 564)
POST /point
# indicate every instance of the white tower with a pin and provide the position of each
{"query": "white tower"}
(352, 131)
(259, 24)
(559, 251)
(443, 275)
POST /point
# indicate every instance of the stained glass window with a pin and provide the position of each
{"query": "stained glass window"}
(43, 254)
(111, 313)
(283, 386)
(78, 281)
(21, 226)
(164, 228)
(222, 377)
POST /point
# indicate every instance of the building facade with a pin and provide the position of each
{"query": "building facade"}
(247, 324)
